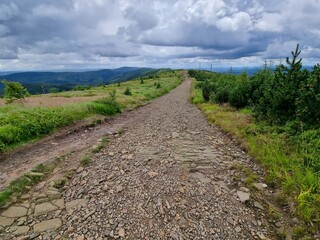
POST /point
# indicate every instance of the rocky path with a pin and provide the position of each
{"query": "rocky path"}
(169, 175)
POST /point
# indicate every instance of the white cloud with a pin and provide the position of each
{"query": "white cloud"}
(270, 22)
(206, 11)
(239, 21)
(57, 33)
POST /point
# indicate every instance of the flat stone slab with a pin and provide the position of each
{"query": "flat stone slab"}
(47, 225)
(44, 208)
(4, 221)
(15, 212)
(53, 195)
(76, 203)
(59, 203)
(21, 230)
(201, 177)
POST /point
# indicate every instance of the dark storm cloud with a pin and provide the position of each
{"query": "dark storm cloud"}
(56, 33)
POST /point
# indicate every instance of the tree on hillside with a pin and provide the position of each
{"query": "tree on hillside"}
(14, 91)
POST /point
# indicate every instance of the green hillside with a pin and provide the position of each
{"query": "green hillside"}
(44, 82)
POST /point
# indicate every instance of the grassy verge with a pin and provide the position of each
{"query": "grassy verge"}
(19, 124)
(292, 161)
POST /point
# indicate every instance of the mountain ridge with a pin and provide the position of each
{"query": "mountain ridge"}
(39, 82)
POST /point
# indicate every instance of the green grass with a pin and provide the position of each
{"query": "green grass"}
(4, 196)
(97, 148)
(25, 182)
(19, 124)
(85, 160)
(105, 140)
(42, 168)
(19, 186)
(59, 183)
(291, 160)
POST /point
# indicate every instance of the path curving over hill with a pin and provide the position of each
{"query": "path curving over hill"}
(169, 175)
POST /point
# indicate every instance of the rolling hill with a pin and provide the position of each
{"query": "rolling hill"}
(39, 82)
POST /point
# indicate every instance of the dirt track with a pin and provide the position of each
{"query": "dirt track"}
(169, 175)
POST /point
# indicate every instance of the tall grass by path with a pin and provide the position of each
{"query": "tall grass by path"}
(19, 124)
(292, 161)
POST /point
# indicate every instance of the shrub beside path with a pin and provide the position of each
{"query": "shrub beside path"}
(168, 175)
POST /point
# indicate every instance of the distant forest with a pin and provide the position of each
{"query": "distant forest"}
(46, 82)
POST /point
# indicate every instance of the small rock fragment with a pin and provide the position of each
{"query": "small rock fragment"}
(121, 232)
(261, 236)
(79, 170)
(34, 235)
(258, 205)
(153, 174)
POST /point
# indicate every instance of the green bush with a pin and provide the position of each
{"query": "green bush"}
(287, 94)
(240, 94)
(9, 134)
(278, 102)
(79, 88)
(107, 109)
(127, 92)
(207, 88)
(105, 106)
(308, 101)
(14, 91)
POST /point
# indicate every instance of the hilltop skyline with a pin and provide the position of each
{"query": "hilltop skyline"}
(95, 34)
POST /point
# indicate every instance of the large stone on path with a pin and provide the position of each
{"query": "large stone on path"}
(4, 221)
(47, 225)
(44, 208)
(15, 212)
(243, 196)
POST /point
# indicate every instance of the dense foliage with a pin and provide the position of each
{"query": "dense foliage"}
(287, 94)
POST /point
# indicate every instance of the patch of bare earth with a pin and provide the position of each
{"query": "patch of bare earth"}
(168, 175)
(49, 101)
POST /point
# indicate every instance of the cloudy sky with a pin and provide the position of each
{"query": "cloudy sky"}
(87, 34)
